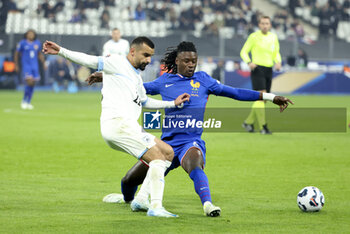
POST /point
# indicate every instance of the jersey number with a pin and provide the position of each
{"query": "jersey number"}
(137, 100)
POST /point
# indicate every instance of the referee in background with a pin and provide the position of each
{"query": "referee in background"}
(264, 48)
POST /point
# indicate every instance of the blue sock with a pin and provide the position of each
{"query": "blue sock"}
(128, 192)
(201, 184)
(26, 91)
(30, 93)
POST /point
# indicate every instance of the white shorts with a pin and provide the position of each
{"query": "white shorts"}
(127, 135)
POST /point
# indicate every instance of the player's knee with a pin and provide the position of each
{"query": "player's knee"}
(169, 153)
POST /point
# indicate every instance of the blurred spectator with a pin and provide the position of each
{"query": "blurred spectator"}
(208, 66)
(219, 71)
(63, 74)
(185, 22)
(45, 8)
(211, 29)
(298, 29)
(301, 59)
(140, 13)
(105, 18)
(292, 5)
(59, 71)
(325, 21)
(345, 13)
(173, 18)
(116, 45)
(12, 6)
(127, 14)
(157, 12)
(87, 4)
(109, 2)
(78, 17)
(58, 6)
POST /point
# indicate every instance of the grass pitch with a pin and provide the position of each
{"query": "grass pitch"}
(55, 168)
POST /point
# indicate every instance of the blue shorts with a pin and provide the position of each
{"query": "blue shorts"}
(181, 150)
(30, 72)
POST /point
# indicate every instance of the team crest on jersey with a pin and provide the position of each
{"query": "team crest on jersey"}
(36, 47)
(195, 87)
(151, 120)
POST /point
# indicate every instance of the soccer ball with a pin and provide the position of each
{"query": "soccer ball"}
(310, 199)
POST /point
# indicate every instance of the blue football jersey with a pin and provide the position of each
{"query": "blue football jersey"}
(29, 52)
(179, 123)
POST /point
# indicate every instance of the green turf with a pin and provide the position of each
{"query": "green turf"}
(55, 169)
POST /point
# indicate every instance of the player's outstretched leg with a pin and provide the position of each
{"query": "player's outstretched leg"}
(129, 183)
(159, 158)
(193, 163)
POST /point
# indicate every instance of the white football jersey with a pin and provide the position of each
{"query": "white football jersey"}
(120, 47)
(122, 91)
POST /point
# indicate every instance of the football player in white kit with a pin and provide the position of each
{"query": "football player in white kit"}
(123, 96)
(116, 45)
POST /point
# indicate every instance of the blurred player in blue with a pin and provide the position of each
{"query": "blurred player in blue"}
(189, 149)
(29, 50)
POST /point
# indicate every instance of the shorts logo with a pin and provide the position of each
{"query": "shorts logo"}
(151, 120)
(195, 144)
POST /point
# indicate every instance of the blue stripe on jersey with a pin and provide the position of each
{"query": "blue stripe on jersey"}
(100, 64)
(118, 74)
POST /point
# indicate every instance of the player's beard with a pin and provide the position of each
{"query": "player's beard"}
(142, 66)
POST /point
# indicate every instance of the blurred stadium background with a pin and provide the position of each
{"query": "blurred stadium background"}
(318, 28)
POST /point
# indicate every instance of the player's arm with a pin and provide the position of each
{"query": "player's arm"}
(95, 77)
(17, 55)
(251, 95)
(152, 103)
(83, 59)
(16, 60)
(247, 47)
(277, 57)
(105, 49)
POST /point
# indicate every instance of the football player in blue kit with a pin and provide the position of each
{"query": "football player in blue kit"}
(189, 149)
(29, 49)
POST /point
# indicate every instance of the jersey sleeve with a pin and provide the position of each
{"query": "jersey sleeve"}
(247, 47)
(20, 46)
(142, 93)
(152, 87)
(214, 86)
(111, 64)
(277, 55)
(105, 49)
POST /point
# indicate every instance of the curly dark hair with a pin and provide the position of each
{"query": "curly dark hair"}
(171, 54)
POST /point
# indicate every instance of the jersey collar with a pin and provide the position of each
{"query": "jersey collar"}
(183, 77)
(137, 71)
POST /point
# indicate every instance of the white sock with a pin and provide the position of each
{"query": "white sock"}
(156, 180)
(144, 191)
(167, 164)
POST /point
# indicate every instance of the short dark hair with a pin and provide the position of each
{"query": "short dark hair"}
(142, 40)
(172, 52)
(264, 17)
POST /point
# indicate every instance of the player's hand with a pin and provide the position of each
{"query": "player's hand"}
(283, 102)
(252, 66)
(50, 47)
(278, 66)
(16, 68)
(185, 97)
(95, 77)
